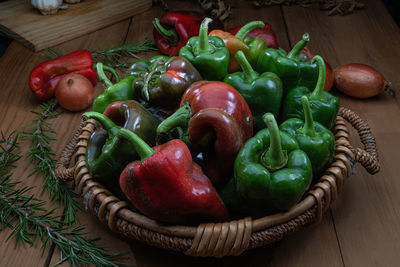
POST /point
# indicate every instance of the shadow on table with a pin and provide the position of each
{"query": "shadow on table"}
(149, 256)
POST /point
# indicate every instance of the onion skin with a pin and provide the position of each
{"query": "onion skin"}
(74, 92)
(359, 80)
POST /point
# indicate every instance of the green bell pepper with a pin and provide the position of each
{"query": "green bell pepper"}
(324, 106)
(289, 67)
(263, 93)
(120, 91)
(313, 138)
(271, 173)
(107, 154)
(207, 53)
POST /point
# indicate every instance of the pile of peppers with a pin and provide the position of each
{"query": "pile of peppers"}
(224, 124)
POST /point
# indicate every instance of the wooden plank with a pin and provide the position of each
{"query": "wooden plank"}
(366, 214)
(16, 100)
(38, 32)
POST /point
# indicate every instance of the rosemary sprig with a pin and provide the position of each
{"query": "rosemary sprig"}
(112, 56)
(38, 132)
(29, 221)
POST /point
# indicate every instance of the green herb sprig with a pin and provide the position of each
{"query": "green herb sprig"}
(39, 133)
(113, 56)
(29, 220)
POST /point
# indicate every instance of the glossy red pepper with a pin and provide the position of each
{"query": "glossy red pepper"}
(45, 76)
(217, 121)
(266, 33)
(168, 186)
(174, 29)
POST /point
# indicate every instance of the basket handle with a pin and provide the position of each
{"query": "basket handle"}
(62, 170)
(368, 157)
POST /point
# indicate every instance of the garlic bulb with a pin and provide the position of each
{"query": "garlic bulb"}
(48, 7)
(72, 1)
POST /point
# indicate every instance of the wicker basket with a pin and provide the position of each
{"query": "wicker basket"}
(220, 239)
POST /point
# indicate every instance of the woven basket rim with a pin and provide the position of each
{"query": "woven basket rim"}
(242, 234)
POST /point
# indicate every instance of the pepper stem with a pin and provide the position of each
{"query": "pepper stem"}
(204, 45)
(246, 29)
(308, 128)
(294, 53)
(249, 73)
(170, 35)
(102, 75)
(107, 124)
(113, 71)
(275, 158)
(319, 88)
(141, 147)
(181, 118)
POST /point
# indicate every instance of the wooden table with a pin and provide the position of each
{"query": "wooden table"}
(360, 229)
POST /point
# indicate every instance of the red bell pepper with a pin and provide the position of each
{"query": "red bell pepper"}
(174, 29)
(168, 186)
(218, 122)
(266, 33)
(45, 76)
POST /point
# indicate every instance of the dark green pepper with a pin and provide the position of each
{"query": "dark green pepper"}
(289, 67)
(313, 138)
(120, 91)
(271, 172)
(207, 53)
(164, 81)
(146, 65)
(263, 93)
(107, 154)
(324, 106)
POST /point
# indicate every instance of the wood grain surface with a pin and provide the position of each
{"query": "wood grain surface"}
(361, 228)
(22, 22)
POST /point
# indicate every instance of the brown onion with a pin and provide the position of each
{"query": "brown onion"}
(359, 80)
(74, 92)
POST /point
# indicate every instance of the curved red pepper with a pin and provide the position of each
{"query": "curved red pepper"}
(219, 123)
(267, 34)
(174, 29)
(45, 76)
(168, 186)
(219, 95)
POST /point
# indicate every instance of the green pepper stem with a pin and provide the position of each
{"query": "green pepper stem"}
(141, 147)
(308, 128)
(113, 71)
(107, 124)
(170, 35)
(246, 29)
(275, 158)
(204, 45)
(319, 88)
(102, 75)
(295, 52)
(249, 73)
(181, 118)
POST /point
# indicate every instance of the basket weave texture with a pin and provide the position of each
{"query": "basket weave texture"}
(228, 238)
